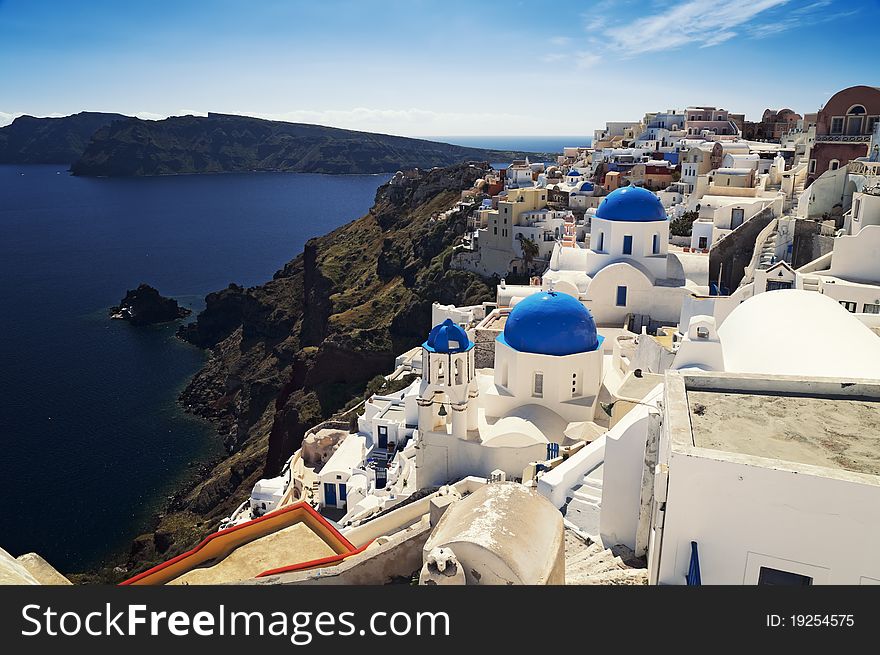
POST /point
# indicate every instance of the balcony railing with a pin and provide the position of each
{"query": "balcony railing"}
(837, 138)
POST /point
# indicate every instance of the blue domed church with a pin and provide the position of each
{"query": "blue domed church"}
(544, 386)
(627, 268)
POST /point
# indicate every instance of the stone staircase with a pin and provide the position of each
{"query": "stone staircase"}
(768, 252)
(584, 503)
(587, 562)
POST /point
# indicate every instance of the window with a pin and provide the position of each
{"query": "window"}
(837, 125)
(655, 246)
(848, 306)
(601, 245)
(621, 296)
(702, 332)
(871, 308)
(627, 245)
(495, 229)
(834, 164)
(812, 165)
(872, 121)
(538, 385)
(768, 576)
(775, 285)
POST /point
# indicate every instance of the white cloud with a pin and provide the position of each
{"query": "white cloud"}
(799, 18)
(560, 40)
(699, 22)
(7, 117)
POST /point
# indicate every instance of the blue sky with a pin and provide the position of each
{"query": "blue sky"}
(415, 67)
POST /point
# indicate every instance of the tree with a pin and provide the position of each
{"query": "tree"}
(529, 250)
(683, 226)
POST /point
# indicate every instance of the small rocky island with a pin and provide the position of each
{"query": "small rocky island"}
(145, 306)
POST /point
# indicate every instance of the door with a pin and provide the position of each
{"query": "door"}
(329, 494)
(343, 492)
(703, 242)
(736, 218)
(383, 437)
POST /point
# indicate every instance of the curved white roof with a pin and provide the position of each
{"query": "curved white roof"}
(802, 333)
(522, 427)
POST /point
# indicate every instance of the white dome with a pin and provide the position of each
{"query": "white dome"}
(801, 333)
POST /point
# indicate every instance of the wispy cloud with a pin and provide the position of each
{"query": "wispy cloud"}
(798, 19)
(560, 41)
(703, 23)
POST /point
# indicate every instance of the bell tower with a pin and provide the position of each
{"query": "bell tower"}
(448, 382)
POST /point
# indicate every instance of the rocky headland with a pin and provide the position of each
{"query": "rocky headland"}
(220, 143)
(145, 306)
(30, 140)
(290, 353)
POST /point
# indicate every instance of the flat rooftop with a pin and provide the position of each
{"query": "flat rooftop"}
(833, 432)
(291, 545)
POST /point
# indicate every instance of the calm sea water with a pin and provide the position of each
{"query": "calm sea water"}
(522, 143)
(91, 438)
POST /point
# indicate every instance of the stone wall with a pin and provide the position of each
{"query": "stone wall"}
(732, 254)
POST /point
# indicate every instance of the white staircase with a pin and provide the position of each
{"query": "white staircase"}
(811, 283)
(768, 252)
(587, 562)
(584, 502)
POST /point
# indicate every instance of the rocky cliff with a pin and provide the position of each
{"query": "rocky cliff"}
(29, 140)
(145, 306)
(290, 353)
(221, 143)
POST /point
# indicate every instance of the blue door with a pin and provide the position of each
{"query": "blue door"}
(621, 296)
(343, 492)
(627, 245)
(381, 478)
(330, 494)
(383, 437)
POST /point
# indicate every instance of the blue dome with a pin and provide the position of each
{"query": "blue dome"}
(448, 338)
(574, 173)
(633, 204)
(550, 323)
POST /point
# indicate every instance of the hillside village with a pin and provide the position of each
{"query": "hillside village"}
(677, 382)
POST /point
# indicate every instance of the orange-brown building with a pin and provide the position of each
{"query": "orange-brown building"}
(843, 129)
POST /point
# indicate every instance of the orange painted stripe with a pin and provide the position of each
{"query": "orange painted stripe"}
(314, 564)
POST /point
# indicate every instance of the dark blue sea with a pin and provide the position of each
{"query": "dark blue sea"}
(91, 438)
(522, 143)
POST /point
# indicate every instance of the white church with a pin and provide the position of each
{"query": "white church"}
(543, 389)
(627, 268)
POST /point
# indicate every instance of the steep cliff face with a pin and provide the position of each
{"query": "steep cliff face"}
(290, 353)
(29, 140)
(222, 143)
